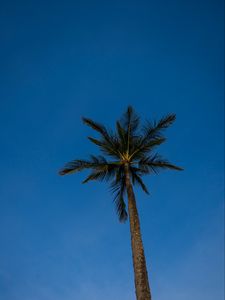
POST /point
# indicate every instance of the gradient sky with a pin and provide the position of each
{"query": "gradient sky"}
(61, 240)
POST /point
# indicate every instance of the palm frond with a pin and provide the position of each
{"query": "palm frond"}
(95, 163)
(102, 172)
(121, 136)
(95, 141)
(154, 130)
(100, 129)
(136, 179)
(96, 126)
(109, 143)
(143, 147)
(118, 188)
(129, 122)
(75, 166)
(156, 163)
(111, 149)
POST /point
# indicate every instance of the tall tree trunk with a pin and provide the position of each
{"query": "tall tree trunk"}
(140, 271)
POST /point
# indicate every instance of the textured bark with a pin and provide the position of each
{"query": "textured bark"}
(140, 271)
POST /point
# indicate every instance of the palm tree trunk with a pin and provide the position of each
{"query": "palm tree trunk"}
(140, 271)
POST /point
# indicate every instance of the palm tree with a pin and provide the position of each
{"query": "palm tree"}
(130, 156)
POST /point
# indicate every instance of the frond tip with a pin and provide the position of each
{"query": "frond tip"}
(75, 166)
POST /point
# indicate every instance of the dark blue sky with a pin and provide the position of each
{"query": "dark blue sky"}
(63, 60)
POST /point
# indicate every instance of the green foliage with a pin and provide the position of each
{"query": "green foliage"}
(130, 145)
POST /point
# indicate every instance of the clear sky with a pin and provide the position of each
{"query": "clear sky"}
(60, 60)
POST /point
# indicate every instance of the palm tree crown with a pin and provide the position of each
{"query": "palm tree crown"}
(130, 146)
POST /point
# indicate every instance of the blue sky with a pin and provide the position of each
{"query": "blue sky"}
(63, 60)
